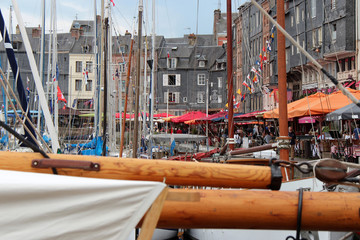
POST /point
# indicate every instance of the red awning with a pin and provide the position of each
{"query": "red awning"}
(188, 116)
(247, 115)
(117, 115)
(161, 115)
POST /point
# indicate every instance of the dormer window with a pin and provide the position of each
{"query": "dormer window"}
(201, 63)
(171, 63)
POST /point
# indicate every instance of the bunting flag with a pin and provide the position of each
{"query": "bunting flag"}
(238, 91)
(237, 105)
(261, 61)
(266, 90)
(246, 85)
(253, 69)
(248, 77)
(168, 54)
(60, 96)
(86, 75)
(112, 1)
(268, 46)
(252, 90)
(243, 97)
(255, 79)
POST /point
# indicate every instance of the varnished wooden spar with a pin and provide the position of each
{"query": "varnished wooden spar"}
(171, 172)
(246, 209)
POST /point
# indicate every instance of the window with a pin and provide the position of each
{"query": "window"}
(219, 99)
(333, 33)
(200, 97)
(123, 84)
(292, 21)
(184, 99)
(219, 82)
(121, 67)
(297, 15)
(171, 63)
(171, 80)
(171, 97)
(78, 66)
(78, 84)
(88, 85)
(313, 8)
(201, 79)
(89, 66)
(85, 104)
(201, 63)
(333, 4)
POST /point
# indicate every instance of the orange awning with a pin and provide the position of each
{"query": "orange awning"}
(293, 105)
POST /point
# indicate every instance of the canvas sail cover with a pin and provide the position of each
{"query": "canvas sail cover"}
(43, 206)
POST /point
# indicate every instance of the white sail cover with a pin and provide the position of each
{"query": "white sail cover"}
(43, 206)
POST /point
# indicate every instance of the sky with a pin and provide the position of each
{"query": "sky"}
(173, 18)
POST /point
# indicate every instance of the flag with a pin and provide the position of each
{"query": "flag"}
(253, 69)
(86, 75)
(168, 54)
(243, 97)
(74, 103)
(237, 105)
(268, 46)
(252, 90)
(238, 91)
(246, 85)
(60, 96)
(248, 77)
(255, 79)
(227, 105)
(112, 1)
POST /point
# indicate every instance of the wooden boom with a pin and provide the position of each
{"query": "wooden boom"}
(246, 209)
(171, 172)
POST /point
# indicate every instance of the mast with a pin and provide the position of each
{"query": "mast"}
(42, 47)
(281, 55)
(152, 83)
(144, 93)
(230, 76)
(137, 85)
(54, 68)
(96, 76)
(105, 74)
(126, 97)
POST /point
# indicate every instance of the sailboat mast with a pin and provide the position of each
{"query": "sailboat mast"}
(230, 76)
(42, 47)
(137, 86)
(152, 83)
(281, 56)
(105, 75)
(54, 67)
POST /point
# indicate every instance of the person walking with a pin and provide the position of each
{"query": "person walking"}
(292, 135)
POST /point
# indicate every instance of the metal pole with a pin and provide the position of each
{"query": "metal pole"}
(167, 110)
(137, 86)
(42, 53)
(230, 76)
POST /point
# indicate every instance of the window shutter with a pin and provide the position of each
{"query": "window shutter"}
(165, 80)
(168, 62)
(178, 79)
(177, 97)
(176, 60)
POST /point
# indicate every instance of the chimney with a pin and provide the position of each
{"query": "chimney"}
(192, 39)
(17, 29)
(36, 32)
(217, 17)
